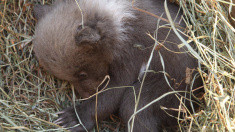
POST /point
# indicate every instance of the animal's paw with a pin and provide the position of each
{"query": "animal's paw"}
(68, 119)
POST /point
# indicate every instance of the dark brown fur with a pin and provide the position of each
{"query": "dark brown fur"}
(84, 56)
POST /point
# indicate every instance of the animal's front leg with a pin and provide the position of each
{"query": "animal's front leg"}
(107, 104)
(68, 119)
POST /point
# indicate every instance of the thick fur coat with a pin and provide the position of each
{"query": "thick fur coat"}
(84, 47)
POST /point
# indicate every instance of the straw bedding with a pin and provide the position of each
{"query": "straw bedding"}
(30, 97)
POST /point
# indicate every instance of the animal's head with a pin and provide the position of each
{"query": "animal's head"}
(72, 48)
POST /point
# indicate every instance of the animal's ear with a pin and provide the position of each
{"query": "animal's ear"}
(86, 35)
(41, 10)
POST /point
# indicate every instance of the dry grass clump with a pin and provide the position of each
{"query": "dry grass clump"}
(213, 35)
(30, 97)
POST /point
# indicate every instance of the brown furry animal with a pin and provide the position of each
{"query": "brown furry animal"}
(83, 49)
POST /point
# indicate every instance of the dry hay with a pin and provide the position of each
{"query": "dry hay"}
(30, 97)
